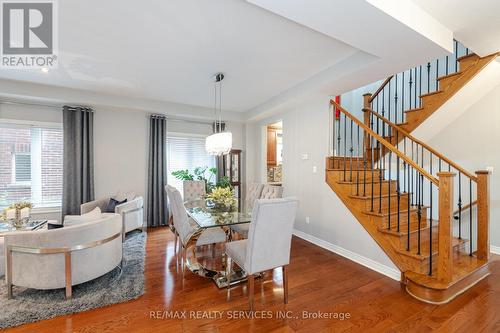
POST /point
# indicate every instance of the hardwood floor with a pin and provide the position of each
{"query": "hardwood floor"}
(318, 281)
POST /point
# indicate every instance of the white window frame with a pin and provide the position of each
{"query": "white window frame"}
(14, 182)
(31, 123)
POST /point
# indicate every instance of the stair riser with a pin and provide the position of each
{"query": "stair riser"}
(424, 237)
(403, 220)
(367, 190)
(366, 204)
(422, 266)
(354, 175)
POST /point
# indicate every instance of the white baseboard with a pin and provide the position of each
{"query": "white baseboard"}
(394, 274)
(495, 249)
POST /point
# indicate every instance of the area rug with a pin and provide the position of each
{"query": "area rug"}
(29, 305)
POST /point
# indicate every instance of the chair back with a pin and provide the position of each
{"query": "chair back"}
(254, 191)
(271, 192)
(193, 189)
(270, 234)
(179, 214)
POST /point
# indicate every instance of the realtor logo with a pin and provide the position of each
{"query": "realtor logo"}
(29, 37)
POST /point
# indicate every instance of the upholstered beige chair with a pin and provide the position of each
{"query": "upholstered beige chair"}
(271, 192)
(254, 192)
(267, 192)
(193, 190)
(186, 227)
(268, 243)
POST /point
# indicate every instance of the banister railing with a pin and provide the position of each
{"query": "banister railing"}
(401, 133)
(401, 92)
(406, 185)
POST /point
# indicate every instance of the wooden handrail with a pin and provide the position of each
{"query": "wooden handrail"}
(426, 146)
(380, 88)
(387, 144)
(464, 208)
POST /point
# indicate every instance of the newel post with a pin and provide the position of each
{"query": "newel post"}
(483, 215)
(445, 257)
(366, 119)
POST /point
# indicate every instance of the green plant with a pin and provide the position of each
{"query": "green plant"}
(206, 174)
(224, 182)
(183, 175)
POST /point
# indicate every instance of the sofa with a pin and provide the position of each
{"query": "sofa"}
(63, 257)
(131, 211)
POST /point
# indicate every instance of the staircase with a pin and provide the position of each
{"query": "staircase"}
(428, 214)
(410, 97)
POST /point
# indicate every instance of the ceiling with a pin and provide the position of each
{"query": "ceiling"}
(475, 23)
(169, 50)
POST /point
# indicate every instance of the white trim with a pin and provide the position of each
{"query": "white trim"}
(495, 249)
(46, 210)
(394, 274)
(31, 123)
(171, 134)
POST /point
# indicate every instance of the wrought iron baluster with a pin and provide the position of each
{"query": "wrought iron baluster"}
(411, 84)
(351, 149)
(430, 215)
(357, 164)
(428, 77)
(338, 140)
(420, 87)
(419, 211)
(459, 205)
(437, 73)
(470, 217)
(345, 145)
(380, 180)
(372, 166)
(456, 56)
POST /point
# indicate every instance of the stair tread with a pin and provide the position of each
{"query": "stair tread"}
(463, 264)
(414, 110)
(376, 181)
(449, 75)
(402, 211)
(431, 93)
(424, 250)
(366, 197)
(404, 232)
(470, 55)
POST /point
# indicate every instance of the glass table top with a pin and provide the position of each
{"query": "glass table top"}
(207, 217)
(8, 226)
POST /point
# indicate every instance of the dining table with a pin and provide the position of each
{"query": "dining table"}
(210, 260)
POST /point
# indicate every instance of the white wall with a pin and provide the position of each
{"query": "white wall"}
(472, 141)
(121, 144)
(306, 131)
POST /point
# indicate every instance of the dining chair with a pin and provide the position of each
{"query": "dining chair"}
(193, 190)
(254, 191)
(268, 243)
(266, 192)
(271, 192)
(186, 227)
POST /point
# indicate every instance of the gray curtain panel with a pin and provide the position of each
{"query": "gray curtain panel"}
(157, 211)
(78, 158)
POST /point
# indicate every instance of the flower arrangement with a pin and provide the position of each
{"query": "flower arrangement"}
(222, 198)
(17, 212)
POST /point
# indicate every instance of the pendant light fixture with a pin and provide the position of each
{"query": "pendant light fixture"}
(219, 143)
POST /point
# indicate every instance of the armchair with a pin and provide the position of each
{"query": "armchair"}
(132, 211)
(2, 257)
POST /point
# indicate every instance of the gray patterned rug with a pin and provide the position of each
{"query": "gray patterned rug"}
(29, 305)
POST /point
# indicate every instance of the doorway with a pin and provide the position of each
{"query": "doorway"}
(274, 156)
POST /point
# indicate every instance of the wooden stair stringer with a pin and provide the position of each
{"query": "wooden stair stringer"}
(453, 83)
(403, 263)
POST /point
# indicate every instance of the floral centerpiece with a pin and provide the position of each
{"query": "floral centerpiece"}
(18, 212)
(222, 199)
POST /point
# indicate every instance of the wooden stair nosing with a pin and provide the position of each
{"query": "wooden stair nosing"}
(456, 244)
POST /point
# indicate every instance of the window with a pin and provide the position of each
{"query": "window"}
(31, 164)
(186, 152)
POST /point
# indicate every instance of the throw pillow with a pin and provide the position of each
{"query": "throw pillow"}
(112, 203)
(93, 215)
